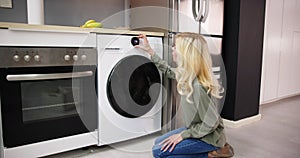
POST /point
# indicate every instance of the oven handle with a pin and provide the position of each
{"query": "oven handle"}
(34, 77)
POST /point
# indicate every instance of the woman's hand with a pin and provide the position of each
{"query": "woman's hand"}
(171, 141)
(145, 46)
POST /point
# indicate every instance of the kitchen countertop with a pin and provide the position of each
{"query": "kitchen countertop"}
(56, 28)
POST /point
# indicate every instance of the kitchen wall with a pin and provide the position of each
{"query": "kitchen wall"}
(76, 12)
(70, 12)
(16, 14)
(144, 15)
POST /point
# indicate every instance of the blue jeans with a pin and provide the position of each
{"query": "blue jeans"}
(187, 148)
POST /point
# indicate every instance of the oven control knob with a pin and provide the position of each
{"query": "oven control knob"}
(16, 58)
(83, 57)
(37, 58)
(27, 58)
(67, 57)
(75, 57)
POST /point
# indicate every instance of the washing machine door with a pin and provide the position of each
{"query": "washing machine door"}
(133, 86)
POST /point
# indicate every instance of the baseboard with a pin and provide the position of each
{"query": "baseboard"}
(242, 122)
(279, 98)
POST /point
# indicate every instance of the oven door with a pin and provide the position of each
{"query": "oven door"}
(43, 103)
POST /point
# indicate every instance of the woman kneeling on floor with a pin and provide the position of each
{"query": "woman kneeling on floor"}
(203, 135)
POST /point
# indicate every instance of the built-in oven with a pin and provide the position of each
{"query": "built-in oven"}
(47, 93)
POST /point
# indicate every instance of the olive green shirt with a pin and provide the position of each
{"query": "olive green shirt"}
(201, 117)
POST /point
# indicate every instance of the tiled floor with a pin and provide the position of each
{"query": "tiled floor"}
(276, 135)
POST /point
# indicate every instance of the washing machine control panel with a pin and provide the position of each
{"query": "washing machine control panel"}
(116, 44)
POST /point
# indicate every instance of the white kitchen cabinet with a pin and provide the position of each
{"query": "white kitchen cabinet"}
(289, 73)
(271, 55)
(280, 72)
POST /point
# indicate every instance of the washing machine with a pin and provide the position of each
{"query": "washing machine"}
(129, 89)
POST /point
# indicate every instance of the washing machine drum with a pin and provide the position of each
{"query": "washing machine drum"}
(133, 86)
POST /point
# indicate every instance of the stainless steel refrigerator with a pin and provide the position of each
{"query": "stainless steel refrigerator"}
(201, 16)
(172, 16)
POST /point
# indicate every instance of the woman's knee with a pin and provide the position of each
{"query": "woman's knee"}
(156, 152)
(166, 135)
(157, 141)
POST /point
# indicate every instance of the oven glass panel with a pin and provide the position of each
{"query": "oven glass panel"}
(44, 100)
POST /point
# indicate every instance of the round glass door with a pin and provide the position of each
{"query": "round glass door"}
(133, 86)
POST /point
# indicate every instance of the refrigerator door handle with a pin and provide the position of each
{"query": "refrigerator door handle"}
(198, 16)
(206, 11)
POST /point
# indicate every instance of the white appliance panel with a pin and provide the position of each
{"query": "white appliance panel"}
(114, 127)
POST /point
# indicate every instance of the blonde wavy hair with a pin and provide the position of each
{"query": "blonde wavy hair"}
(194, 61)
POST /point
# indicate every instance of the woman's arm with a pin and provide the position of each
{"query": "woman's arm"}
(160, 64)
(163, 66)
